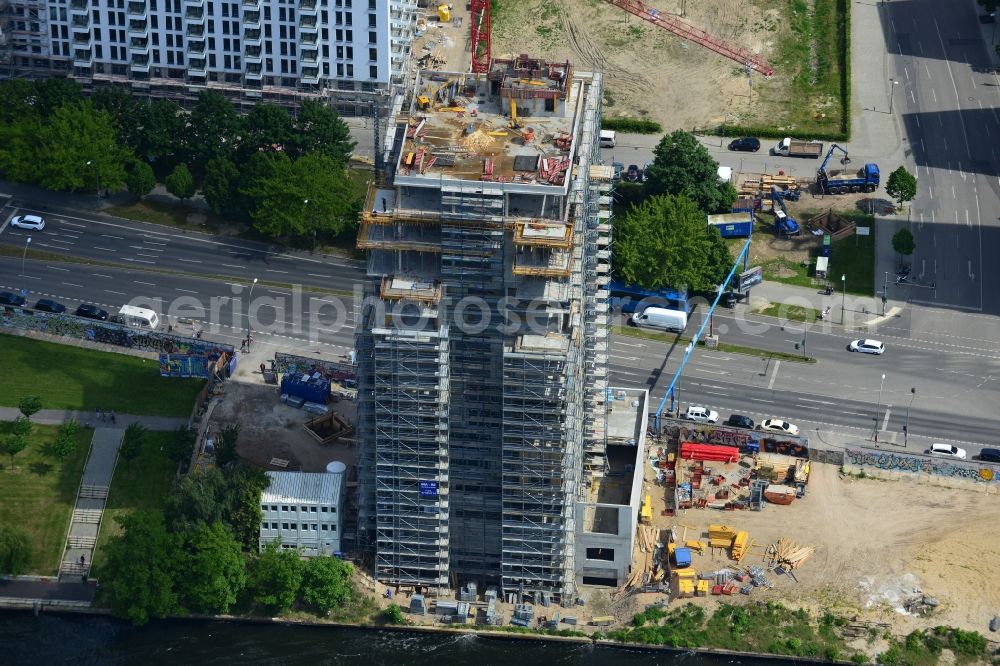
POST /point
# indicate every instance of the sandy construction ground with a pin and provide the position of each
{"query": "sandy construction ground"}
(876, 541)
(651, 72)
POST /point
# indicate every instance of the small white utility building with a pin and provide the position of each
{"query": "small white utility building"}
(304, 510)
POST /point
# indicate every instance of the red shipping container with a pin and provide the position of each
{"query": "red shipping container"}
(695, 451)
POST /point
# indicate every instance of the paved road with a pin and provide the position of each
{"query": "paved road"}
(946, 99)
(95, 236)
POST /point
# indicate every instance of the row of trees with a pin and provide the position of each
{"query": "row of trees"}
(286, 175)
(663, 240)
(200, 554)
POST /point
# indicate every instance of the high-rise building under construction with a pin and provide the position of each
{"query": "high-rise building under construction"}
(482, 339)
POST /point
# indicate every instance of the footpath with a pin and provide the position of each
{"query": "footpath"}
(93, 420)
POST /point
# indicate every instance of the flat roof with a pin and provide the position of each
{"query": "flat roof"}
(292, 487)
(626, 416)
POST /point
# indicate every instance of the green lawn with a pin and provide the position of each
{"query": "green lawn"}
(141, 484)
(789, 312)
(855, 258)
(681, 342)
(168, 214)
(68, 377)
(38, 496)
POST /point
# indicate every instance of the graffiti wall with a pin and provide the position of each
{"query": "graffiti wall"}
(177, 354)
(336, 371)
(745, 440)
(891, 461)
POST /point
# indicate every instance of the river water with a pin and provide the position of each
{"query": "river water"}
(84, 641)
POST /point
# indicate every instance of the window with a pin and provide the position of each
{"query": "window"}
(340, 35)
(284, 508)
(349, 35)
(284, 526)
(350, 52)
(372, 38)
(284, 48)
(340, 69)
(340, 18)
(281, 13)
(225, 9)
(304, 509)
(349, 18)
(324, 528)
(373, 54)
(373, 72)
(324, 509)
(283, 31)
(340, 52)
(170, 39)
(312, 509)
(267, 13)
(156, 39)
(180, 57)
(371, 4)
(263, 507)
(606, 554)
(211, 63)
(372, 21)
(350, 70)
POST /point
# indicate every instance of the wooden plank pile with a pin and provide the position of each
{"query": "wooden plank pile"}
(720, 536)
(788, 554)
(647, 538)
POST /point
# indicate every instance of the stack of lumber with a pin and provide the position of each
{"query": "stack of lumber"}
(774, 467)
(741, 543)
(647, 538)
(789, 554)
(721, 536)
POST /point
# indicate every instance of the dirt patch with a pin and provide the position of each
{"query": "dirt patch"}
(650, 72)
(874, 541)
(270, 429)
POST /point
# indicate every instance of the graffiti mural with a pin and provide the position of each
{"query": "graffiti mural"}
(891, 461)
(202, 352)
(336, 371)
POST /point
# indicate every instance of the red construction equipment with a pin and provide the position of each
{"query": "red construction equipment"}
(480, 22)
(677, 27)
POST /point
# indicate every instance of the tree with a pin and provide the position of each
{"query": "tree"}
(142, 563)
(393, 614)
(665, 242)
(123, 110)
(196, 499)
(53, 93)
(225, 448)
(243, 514)
(267, 127)
(211, 130)
(13, 445)
(66, 442)
(75, 134)
(214, 571)
(140, 179)
(901, 186)
(312, 194)
(681, 165)
(318, 129)
(180, 182)
(275, 578)
(132, 442)
(160, 128)
(21, 426)
(326, 583)
(903, 243)
(18, 139)
(181, 445)
(17, 100)
(30, 405)
(15, 551)
(220, 183)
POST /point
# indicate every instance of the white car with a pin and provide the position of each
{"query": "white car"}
(32, 222)
(701, 414)
(777, 425)
(946, 451)
(867, 346)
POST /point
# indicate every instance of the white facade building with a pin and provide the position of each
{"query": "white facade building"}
(304, 510)
(248, 48)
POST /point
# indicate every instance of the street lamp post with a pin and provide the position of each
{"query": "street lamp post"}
(97, 172)
(885, 291)
(249, 304)
(892, 83)
(843, 299)
(27, 242)
(878, 406)
(906, 424)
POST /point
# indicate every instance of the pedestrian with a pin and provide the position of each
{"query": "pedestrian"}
(83, 560)
(385, 208)
(113, 416)
(243, 346)
(98, 413)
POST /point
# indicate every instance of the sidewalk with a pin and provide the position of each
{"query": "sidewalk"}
(860, 311)
(59, 416)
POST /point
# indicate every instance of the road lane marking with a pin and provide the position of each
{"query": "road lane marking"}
(953, 195)
(912, 98)
(154, 256)
(328, 277)
(117, 293)
(110, 236)
(972, 276)
(917, 118)
(71, 224)
(190, 261)
(885, 421)
(56, 268)
(906, 70)
(101, 275)
(271, 270)
(961, 118)
(70, 284)
(623, 344)
(922, 148)
(968, 222)
(148, 284)
(186, 291)
(774, 375)
(105, 249)
(934, 94)
(232, 266)
(822, 402)
(945, 139)
(928, 70)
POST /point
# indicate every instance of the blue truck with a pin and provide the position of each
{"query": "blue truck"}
(733, 225)
(842, 181)
(783, 224)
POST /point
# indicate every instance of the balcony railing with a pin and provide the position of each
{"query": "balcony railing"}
(81, 21)
(195, 14)
(137, 9)
(196, 31)
(140, 63)
(79, 5)
(252, 35)
(83, 57)
(308, 22)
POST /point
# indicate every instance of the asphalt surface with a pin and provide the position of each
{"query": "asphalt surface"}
(99, 237)
(946, 98)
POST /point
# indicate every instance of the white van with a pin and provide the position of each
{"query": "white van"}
(653, 317)
(607, 139)
(137, 317)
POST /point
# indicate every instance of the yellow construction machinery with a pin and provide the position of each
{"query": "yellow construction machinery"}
(444, 13)
(514, 123)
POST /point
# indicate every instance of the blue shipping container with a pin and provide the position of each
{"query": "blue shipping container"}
(306, 387)
(733, 225)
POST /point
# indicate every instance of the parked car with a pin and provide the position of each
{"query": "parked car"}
(48, 305)
(633, 175)
(91, 312)
(990, 455)
(946, 451)
(618, 169)
(777, 425)
(867, 346)
(740, 421)
(645, 171)
(9, 298)
(701, 414)
(31, 222)
(747, 144)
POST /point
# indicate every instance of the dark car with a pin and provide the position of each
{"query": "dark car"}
(633, 173)
(739, 421)
(48, 305)
(8, 298)
(747, 144)
(990, 455)
(91, 312)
